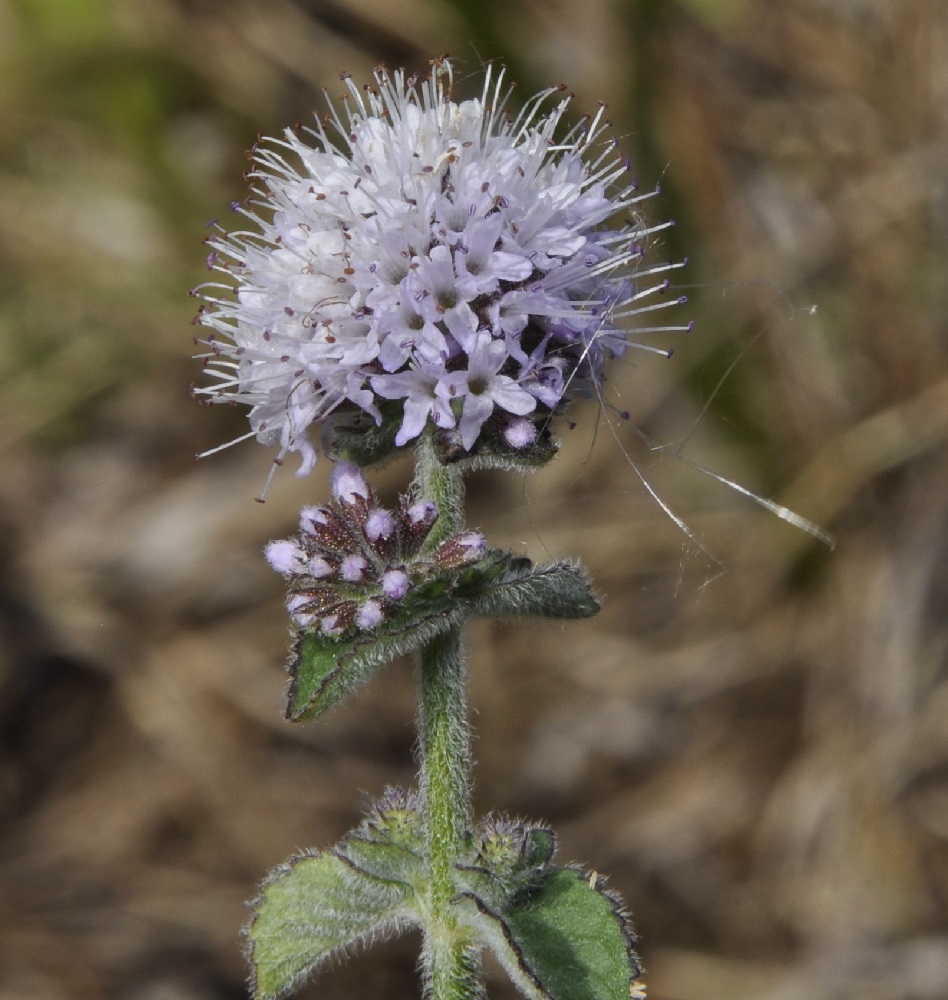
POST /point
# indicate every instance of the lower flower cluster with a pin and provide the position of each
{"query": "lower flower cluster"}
(353, 563)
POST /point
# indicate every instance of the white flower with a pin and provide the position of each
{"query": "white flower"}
(455, 258)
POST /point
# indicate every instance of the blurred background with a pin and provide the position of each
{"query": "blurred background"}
(753, 736)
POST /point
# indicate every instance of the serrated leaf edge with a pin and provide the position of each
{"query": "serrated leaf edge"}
(524, 975)
(386, 928)
(623, 916)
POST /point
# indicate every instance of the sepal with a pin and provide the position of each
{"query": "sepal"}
(492, 450)
(363, 440)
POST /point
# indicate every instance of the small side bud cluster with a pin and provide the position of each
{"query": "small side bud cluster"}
(397, 817)
(353, 563)
(512, 849)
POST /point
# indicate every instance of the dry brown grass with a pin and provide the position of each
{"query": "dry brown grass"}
(754, 745)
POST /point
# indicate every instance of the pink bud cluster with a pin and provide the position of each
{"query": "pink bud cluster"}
(353, 563)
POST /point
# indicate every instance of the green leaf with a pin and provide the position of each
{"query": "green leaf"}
(325, 670)
(312, 909)
(565, 939)
(320, 904)
(385, 861)
(559, 590)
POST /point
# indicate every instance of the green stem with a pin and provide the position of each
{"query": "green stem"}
(445, 759)
(445, 779)
(445, 485)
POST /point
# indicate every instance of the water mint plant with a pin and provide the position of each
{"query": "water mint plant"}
(438, 278)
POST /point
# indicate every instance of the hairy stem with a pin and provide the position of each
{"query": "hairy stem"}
(445, 485)
(445, 760)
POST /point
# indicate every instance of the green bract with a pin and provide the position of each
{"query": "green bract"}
(563, 938)
(325, 670)
(557, 931)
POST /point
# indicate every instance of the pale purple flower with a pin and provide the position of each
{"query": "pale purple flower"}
(482, 387)
(419, 388)
(468, 263)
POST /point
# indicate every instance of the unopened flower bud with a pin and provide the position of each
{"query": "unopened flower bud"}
(352, 562)
(419, 519)
(370, 615)
(520, 433)
(311, 516)
(423, 512)
(395, 584)
(348, 484)
(328, 529)
(353, 568)
(380, 524)
(285, 556)
(461, 550)
(319, 568)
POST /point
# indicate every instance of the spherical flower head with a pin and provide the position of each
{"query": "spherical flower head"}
(420, 262)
